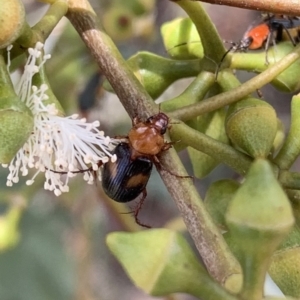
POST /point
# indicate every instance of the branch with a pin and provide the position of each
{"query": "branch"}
(275, 6)
(209, 242)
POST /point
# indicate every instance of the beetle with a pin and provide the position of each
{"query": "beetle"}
(127, 177)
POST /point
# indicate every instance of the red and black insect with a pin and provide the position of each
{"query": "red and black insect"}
(270, 29)
(125, 179)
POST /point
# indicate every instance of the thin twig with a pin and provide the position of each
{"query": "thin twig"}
(275, 6)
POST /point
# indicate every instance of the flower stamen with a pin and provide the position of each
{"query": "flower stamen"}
(57, 144)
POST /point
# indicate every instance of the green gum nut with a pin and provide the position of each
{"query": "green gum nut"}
(291, 146)
(288, 81)
(285, 265)
(181, 39)
(217, 199)
(16, 118)
(251, 125)
(118, 22)
(12, 21)
(259, 217)
(160, 262)
(157, 73)
(16, 127)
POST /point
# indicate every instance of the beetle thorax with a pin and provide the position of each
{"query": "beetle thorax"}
(146, 139)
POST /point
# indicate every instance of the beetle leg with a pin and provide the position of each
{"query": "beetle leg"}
(138, 208)
(159, 166)
(167, 146)
(123, 138)
(135, 121)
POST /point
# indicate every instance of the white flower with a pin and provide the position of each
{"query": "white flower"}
(60, 147)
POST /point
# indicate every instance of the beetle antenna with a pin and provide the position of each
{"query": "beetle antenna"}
(233, 47)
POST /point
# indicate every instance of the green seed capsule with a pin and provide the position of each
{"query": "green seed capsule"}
(291, 147)
(217, 199)
(16, 127)
(288, 81)
(16, 118)
(12, 21)
(251, 125)
(258, 218)
(285, 265)
(117, 21)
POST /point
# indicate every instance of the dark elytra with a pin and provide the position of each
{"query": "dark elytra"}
(125, 179)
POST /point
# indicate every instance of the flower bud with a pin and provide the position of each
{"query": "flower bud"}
(286, 261)
(16, 118)
(12, 21)
(157, 73)
(258, 218)
(288, 81)
(251, 124)
(181, 39)
(291, 147)
(16, 127)
(217, 199)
